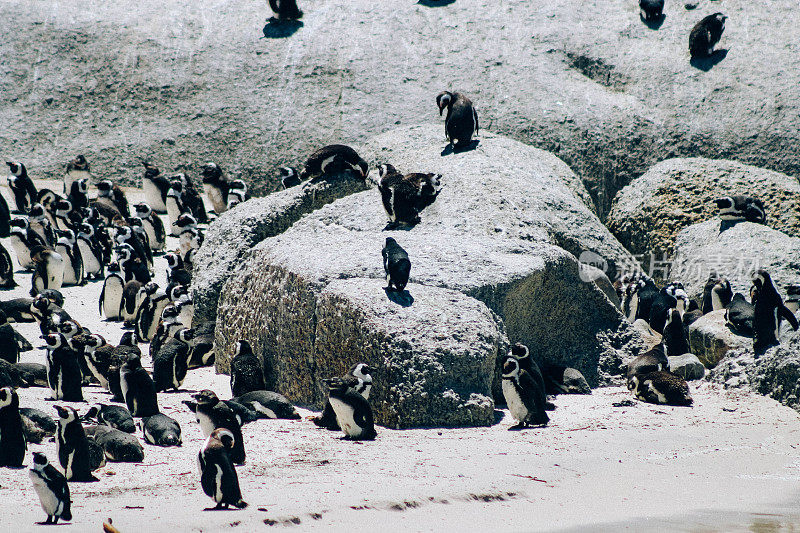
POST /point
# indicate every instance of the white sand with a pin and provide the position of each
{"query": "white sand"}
(640, 467)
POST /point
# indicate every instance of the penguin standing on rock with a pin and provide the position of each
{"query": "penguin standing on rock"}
(52, 489)
(741, 208)
(333, 159)
(25, 193)
(396, 264)
(72, 446)
(461, 122)
(650, 10)
(12, 437)
(404, 197)
(739, 315)
(217, 473)
(213, 414)
(246, 372)
(353, 412)
(717, 294)
(705, 35)
(524, 396)
(768, 312)
(138, 388)
(675, 340)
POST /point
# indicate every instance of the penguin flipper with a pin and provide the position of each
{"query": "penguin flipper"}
(100, 301)
(475, 116)
(788, 315)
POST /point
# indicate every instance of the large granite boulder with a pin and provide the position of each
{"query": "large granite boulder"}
(504, 230)
(675, 194)
(710, 339)
(433, 350)
(193, 82)
(236, 231)
(775, 374)
(734, 252)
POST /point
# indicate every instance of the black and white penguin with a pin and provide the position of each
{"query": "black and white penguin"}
(671, 296)
(156, 187)
(653, 360)
(96, 355)
(150, 312)
(23, 240)
(661, 388)
(217, 473)
(177, 272)
(674, 334)
(285, 9)
(32, 374)
(6, 269)
(161, 430)
(705, 35)
(175, 206)
(739, 315)
(359, 378)
(153, 226)
(740, 208)
(18, 310)
(110, 302)
(131, 298)
(114, 416)
(112, 194)
(246, 372)
(72, 446)
(353, 412)
(289, 177)
(63, 369)
(650, 10)
(461, 122)
(118, 446)
(171, 361)
(141, 251)
(49, 273)
(525, 397)
(12, 436)
(138, 388)
(404, 197)
(185, 312)
(137, 226)
(132, 266)
(396, 265)
(41, 224)
(63, 215)
(91, 252)
(717, 294)
(561, 379)
(52, 489)
(167, 328)
(333, 159)
(769, 310)
(76, 169)
(78, 195)
(213, 414)
(202, 353)
(48, 313)
(216, 186)
(269, 404)
(67, 247)
(244, 414)
(237, 193)
(25, 193)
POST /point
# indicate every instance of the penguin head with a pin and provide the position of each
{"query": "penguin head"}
(762, 281)
(223, 436)
(754, 211)
(519, 351)
(386, 169)
(362, 372)
(206, 397)
(79, 163)
(8, 398)
(36, 212)
(175, 188)
(66, 414)
(124, 251)
(19, 223)
(243, 347)
(510, 368)
(39, 460)
(361, 166)
(173, 260)
(40, 304)
(673, 317)
(390, 242)
(127, 339)
(179, 293)
(136, 224)
(444, 99)
(633, 382)
(67, 234)
(143, 210)
(170, 313)
(104, 188)
(80, 186)
(87, 229)
(185, 334)
(54, 340)
(16, 169)
(150, 170)
(95, 341)
(150, 288)
(241, 187)
(186, 220)
(113, 267)
(123, 233)
(69, 328)
(133, 362)
(210, 172)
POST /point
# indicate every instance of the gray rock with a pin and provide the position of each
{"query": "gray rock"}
(735, 253)
(234, 233)
(710, 339)
(650, 338)
(687, 366)
(674, 194)
(775, 374)
(494, 234)
(610, 98)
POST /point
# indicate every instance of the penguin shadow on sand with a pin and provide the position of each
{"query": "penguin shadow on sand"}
(473, 144)
(402, 298)
(435, 3)
(655, 23)
(280, 29)
(707, 63)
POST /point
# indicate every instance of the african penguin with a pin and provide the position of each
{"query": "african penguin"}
(90, 251)
(63, 369)
(78, 195)
(161, 430)
(131, 298)
(289, 177)
(739, 208)
(717, 294)
(67, 248)
(359, 377)
(404, 197)
(49, 273)
(111, 194)
(268, 403)
(77, 169)
(138, 388)
(246, 372)
(653, 360)
(72, 446)
(114, 416)
(22, 187)
(646, 293)
(118, 446)
(333, 159)
(9, 345)
(524, 396)
(674, 334)
(237, 193)
(216, 186)
(213, 414)
(705, 35)
(23, 241)
(153, 226)
(217, 473)
(353, 412)
(662, 388)
(170, 363)
(37, 425)
(461, 122)
(651, 9)
(396, 265)
(285, 9)
(155, 187)
(110, 302)
(12, 436)
(768, 312)
(52, 489)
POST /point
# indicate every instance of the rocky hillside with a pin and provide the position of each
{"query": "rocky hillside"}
(181, 82)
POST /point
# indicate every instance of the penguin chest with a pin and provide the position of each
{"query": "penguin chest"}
(206, 424)
(345, 415)
(153, 196)
(218, 484)
(54, 270)
(514, 400)
(112, 297)
(47, 497)
(173, 210)
(217, 200)
(91, 264)
(151, 235)
(69, 265)
(22, 251)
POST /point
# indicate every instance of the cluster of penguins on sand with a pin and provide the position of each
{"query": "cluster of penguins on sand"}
(70, 238)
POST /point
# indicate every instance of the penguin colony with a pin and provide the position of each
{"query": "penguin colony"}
(76, 236)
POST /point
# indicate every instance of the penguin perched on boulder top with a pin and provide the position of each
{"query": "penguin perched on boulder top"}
(741, 208)
(461, 122)
(333, 159)
(650, 10)
(769, 310)
(285, 10)
(705, 35)
(396, 264)
(404, 197)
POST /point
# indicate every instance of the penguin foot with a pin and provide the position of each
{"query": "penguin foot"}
(518, 427)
